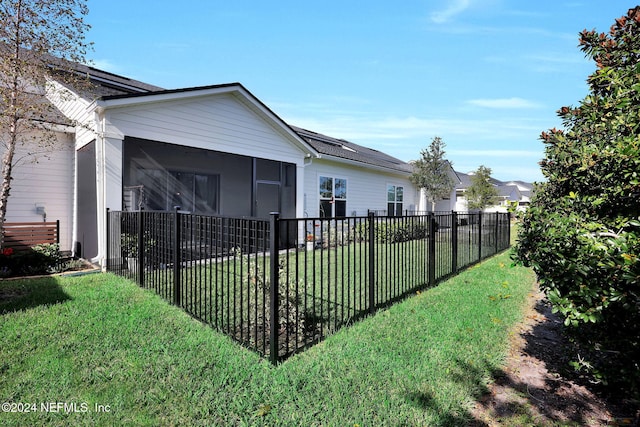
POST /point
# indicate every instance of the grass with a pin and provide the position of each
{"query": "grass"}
(321, 290)
(99, 339)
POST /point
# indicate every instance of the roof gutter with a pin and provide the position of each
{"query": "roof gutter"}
(364, 165)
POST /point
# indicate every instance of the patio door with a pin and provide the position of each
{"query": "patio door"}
(267, 199)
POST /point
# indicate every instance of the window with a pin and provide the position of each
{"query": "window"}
(395, 196)
(333, 197)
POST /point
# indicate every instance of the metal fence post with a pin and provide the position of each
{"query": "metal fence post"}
(372, 262)
(140, 271)
(454, 242)
(108, 240)
(432, 249)
(479, 235)
(274, 303)
(176, 259)
(497, 232)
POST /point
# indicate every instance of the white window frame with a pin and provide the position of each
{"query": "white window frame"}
(395, 202)
(332, 198)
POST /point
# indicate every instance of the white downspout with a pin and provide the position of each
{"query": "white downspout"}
(100, 188)
(74, 208)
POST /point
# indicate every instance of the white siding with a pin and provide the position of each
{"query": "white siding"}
(444, 205)
(216, 122)
(48, 183)
(76, 109)
(366, 188)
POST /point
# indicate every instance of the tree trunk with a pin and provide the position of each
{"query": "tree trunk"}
(7, 157)
(7, 170)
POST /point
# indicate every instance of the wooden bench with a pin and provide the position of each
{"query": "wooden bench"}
(20, 236)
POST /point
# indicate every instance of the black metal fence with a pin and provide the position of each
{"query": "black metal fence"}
(280, 295)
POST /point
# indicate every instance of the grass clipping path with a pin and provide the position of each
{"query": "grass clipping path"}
(97, 350)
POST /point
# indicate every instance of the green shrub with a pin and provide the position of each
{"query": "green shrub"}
(581, 234)
(394, 232)
(39, 259)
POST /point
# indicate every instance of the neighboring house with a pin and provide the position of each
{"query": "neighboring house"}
(215, 150)
(526, 191)
(346, 179)
(508, 192)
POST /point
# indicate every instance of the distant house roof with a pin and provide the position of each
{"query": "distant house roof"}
(508, 190)
(465, 181)
(348, 150)
(504, 187)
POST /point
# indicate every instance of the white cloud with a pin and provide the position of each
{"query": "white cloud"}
(454, 8)
(503, 103)
(378, 132)
(498, 153)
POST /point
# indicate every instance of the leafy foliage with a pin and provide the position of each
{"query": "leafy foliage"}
(481, 193)
(431, 172)
(582, 234)
(396, 232)
(40, 259)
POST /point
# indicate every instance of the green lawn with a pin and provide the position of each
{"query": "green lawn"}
(320, 290)
(101, 340)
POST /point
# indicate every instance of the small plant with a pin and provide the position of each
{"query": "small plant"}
(129, 245)
(6, 262)
(292, 317)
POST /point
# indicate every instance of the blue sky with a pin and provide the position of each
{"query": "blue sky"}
(487, 76)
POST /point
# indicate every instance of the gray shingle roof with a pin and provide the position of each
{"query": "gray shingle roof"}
(102, 84)
(507, 190)
(105, 83)
(465, 180)
(504, 187)
(348, 150)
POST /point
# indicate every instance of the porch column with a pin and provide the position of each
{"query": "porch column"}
(422, 203)
(113, 173)
(109, 157)
(300, 202)
(299, 191)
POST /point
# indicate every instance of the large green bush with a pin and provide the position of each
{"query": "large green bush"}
(581, 234)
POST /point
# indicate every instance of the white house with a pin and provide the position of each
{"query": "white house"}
(214, 150)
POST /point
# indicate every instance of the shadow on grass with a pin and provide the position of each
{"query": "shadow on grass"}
(539, 391)
(16, 295)
(426, 402)
(544, 391)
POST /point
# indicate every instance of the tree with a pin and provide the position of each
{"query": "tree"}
(431, 172)
(581, 234)
(481, 193)
(39, 39)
